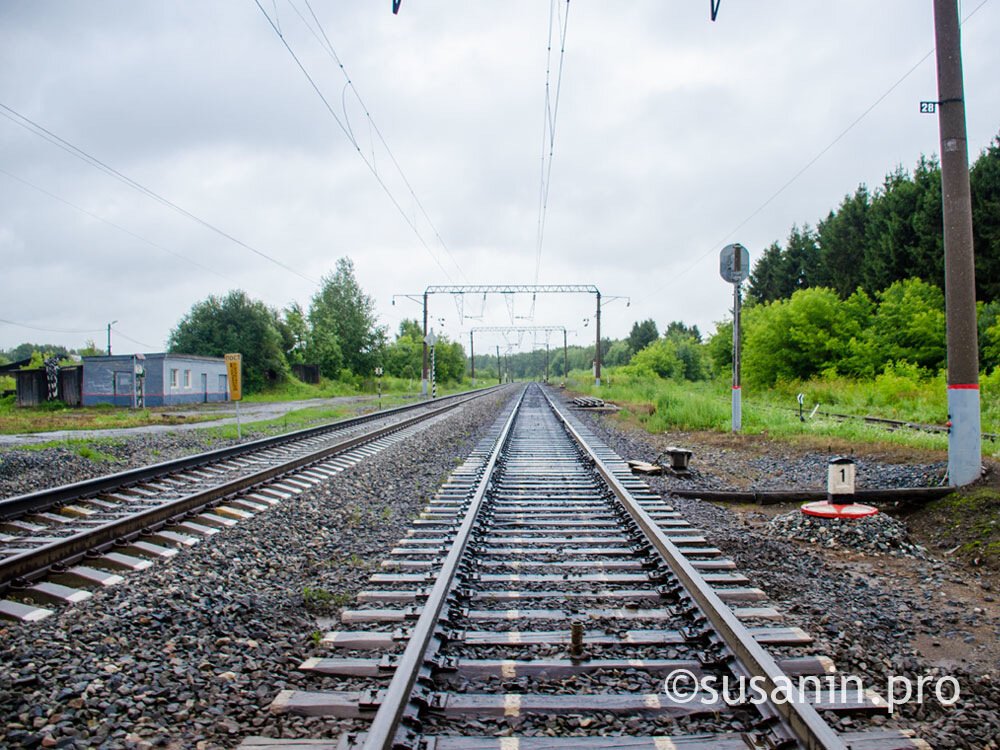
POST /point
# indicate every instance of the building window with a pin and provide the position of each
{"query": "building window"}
(223, 384)
(173, 378)
(187, 378)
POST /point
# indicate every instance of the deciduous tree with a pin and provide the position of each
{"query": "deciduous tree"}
(234, 323)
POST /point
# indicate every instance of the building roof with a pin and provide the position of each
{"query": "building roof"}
(153, 355)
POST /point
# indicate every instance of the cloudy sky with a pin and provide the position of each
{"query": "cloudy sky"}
(186, 153)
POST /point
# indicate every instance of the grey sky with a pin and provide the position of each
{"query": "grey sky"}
(671, 131)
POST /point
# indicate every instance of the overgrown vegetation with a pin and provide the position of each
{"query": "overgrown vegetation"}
(319, 599)
(661, 405)
(876, 238)
(965, 524)
(55, 415)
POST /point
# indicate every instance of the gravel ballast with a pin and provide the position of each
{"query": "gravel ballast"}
(878, 613)
(190, 653)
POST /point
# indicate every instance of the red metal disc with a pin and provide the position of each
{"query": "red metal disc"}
(825, 509)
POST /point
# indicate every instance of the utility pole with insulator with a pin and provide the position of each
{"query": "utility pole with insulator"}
(423, 376)
(964, 438)
(472, 356)
(597, 351)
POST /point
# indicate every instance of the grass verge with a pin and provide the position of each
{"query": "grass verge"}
(965, 525)
(665, 405)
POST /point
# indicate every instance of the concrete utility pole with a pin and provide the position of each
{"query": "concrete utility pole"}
(597, 350)
(472, 357)
(423, 377)
(565, 356)
(499, 374)
(964, 438)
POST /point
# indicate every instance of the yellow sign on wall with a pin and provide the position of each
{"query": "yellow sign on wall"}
(234, 376)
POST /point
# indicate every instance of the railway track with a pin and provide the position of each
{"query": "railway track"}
(539, 604)
(83, 535)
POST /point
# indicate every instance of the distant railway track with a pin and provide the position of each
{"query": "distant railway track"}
(888, 424)
(123, 521)
(538, 604)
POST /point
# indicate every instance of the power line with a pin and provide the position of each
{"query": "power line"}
(130, 233)
(816, 158)
(350, 136)
(129, 338)
(328, 47)
(551, 114)
(76, 330)
(51, 330)
(33, 127)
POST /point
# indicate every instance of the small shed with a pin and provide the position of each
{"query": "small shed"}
(33, 386)
(159, 379)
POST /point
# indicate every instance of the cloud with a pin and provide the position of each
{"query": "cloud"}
(672, 132)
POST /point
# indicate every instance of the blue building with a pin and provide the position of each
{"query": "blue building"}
(153, 379)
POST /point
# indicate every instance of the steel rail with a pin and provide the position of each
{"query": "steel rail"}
(385, 725)
(797, 715)
(35, 563)
(42, 500)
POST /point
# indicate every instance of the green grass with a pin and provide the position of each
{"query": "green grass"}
(969, 520)
(320, 599)
(76, 445)
(400, 388)
(55, 415)
(296, 419)
(662, 405)
(296, 390)
(91, 454)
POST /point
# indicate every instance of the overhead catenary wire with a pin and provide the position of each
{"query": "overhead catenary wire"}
(715, 247)
(327, 45)
(134, 341)
(51, 330)
(551, 114)
(101, 219)
(350, 136)
(46, 134)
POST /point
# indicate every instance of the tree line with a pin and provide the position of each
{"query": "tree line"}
(859, 293)
(874, 239)
(339, 333)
